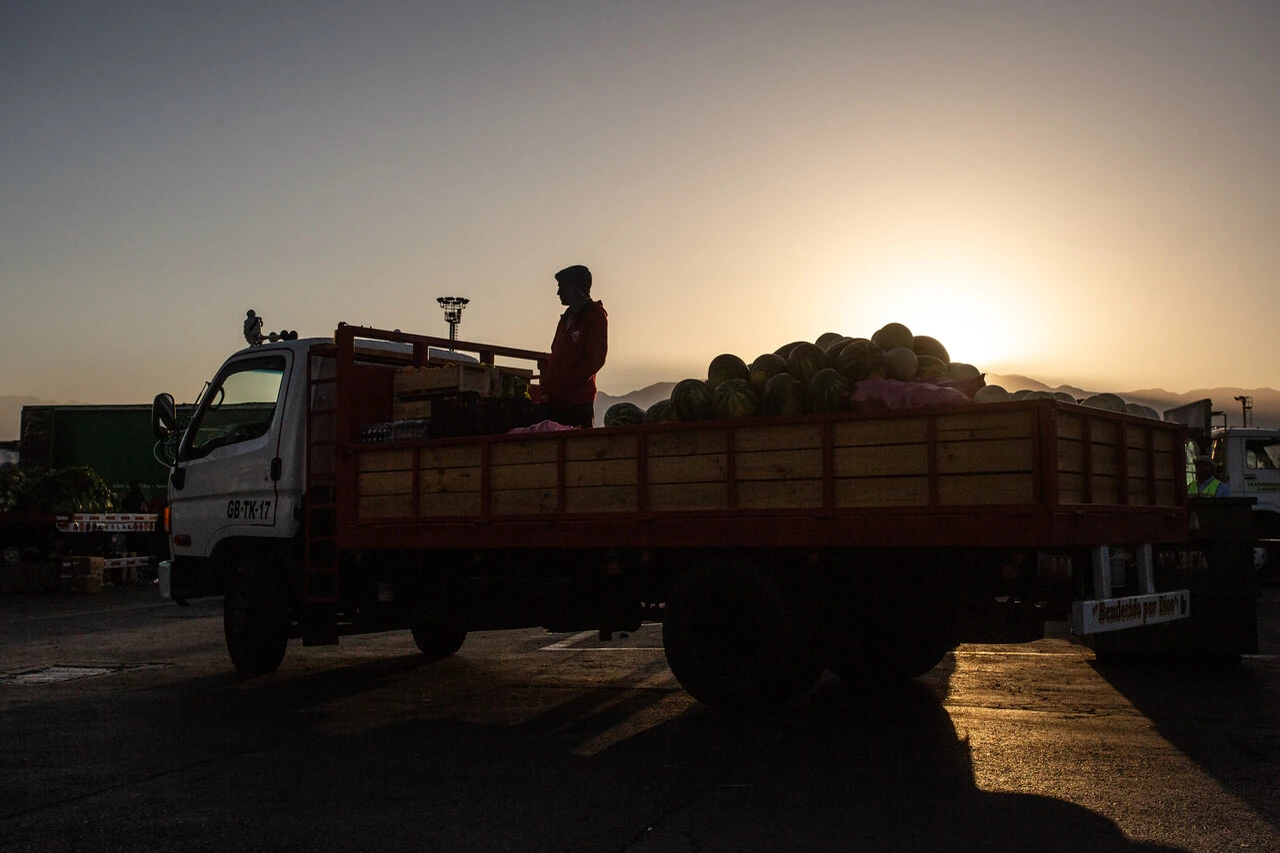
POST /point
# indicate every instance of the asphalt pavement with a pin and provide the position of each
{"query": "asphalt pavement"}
(124, 728)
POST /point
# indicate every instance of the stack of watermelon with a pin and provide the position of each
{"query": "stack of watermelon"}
(803, 378)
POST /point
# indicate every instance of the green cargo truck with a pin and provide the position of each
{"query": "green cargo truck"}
(115, 441)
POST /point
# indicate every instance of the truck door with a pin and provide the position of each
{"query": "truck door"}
(1261, 471)
(227, 471)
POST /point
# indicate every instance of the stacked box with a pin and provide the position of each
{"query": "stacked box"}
(446, 379)
(470, 414)
(82, 575)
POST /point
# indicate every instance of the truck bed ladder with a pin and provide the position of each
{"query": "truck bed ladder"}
(320, 561)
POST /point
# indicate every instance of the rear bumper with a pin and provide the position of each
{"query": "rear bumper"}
(1134, 611)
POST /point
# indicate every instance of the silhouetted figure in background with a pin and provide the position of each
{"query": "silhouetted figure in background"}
(1207, 484)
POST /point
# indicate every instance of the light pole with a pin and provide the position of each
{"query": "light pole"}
(453, 306)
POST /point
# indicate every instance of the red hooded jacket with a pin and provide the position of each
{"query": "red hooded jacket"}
(577, 354)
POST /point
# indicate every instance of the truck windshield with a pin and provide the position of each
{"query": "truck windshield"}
(238, 407)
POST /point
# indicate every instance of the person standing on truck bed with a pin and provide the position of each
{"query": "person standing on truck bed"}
(1207, 484)
(578, 351)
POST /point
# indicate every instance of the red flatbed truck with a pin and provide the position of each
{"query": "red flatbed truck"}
(769, 548)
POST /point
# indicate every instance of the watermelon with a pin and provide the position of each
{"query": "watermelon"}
(623, 414)
(785, 349)
(929, 367)
(861, 359)
(991, 394)
(827, 391)
(727, 366)
(960, 370)
(806, 360)
(1109, 402)
(925, 345)
(1063, 396)
(826, 339)
(735, 398)
(783, 395)
(901, 363)
(659, 412)
(1020, 394)
(893, 335)
(691, 400)
(833, 351)
(763, 367)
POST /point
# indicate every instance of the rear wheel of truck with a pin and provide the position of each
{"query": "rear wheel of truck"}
(733, 641)
(437, 637)
(255, 615)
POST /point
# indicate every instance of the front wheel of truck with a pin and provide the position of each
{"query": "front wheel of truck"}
(732, 640)
(255, 615)
(438, 637)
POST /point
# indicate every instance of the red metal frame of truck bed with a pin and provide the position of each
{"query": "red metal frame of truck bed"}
(1042, 523)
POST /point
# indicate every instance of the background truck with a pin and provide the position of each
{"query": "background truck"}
(322, 497)
(1247, 459)
(116, 441)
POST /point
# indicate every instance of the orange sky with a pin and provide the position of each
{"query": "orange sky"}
(1077, 192)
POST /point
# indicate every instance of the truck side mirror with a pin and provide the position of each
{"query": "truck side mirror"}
(164, 416)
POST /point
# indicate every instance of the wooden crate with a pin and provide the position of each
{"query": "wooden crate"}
(446, 379)
(81, 575)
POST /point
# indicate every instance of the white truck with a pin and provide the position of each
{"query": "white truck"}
(1247, 459)
(323, 496)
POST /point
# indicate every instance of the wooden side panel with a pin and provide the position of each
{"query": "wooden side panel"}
(449, 480)
(878, 463)
(986, 426)
(523, 501)
(385, 459)
(384, 506)
(593, 447)
(384, 483)
(882, 491)
(600, 499)
(1008, 488)
(666, 497)
(449, 503)
(688, 470)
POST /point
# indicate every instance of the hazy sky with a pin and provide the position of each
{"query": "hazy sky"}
(1078, 191)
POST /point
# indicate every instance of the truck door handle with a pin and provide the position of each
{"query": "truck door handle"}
(178, 478)
(277, 467)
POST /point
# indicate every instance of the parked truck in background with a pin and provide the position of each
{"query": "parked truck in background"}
(116, 441)
(320, 500)
(1247, 459)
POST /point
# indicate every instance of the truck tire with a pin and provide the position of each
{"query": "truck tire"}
(255, 615)
(885, 663)
(731, 639)
(437, 638)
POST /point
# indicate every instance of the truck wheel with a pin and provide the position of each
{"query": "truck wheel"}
(255, 615)
(438, 638)
(731, 639)
(885, 663)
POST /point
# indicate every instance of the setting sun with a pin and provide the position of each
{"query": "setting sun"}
(978, 311)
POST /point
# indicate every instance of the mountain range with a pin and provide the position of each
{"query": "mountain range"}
(1266, 401)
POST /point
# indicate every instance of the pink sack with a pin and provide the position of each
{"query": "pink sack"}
(892, 395)
(541, 426)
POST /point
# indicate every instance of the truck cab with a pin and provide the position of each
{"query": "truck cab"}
(238, 476)
(1248, 460)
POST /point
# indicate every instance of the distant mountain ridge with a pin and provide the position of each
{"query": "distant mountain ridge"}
(1266, 401)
